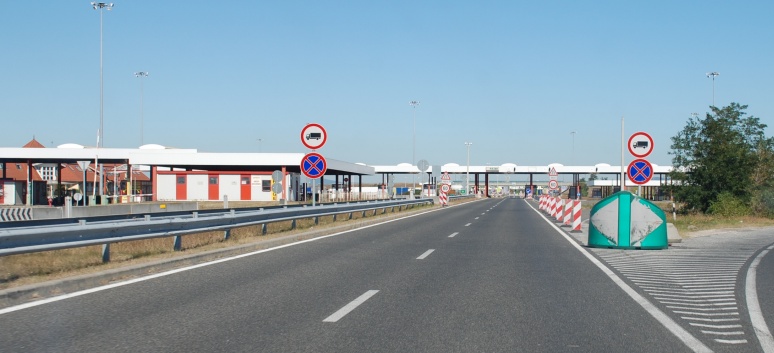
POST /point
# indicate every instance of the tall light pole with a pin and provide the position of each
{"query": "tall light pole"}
(713, 75)
(414, 105)
(100, 137)
(141, 75)
(260, 145)
(100, 6)
(467, 170)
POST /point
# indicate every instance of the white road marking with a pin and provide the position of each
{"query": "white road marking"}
(351, 306)
(453, 234)
(731, 341)
(682, 334)
(476, 218)
(723, 333)
(468, 224)
(714, 326)
(426, 254)
(754, 307)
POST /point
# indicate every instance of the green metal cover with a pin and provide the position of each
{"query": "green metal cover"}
(626, 221)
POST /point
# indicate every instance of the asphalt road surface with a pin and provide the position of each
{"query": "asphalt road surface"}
(487, 276)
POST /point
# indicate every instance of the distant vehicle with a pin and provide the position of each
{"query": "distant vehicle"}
(638, 144)
(318, 135)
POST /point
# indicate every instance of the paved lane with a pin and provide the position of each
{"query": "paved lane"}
(505, 281)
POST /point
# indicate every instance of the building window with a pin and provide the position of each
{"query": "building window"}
(181, 180)
(266, 185)
(214, 180)
(245, 180)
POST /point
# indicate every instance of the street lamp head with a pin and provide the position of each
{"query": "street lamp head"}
(141, 74)
(713, 74)
(414, 103)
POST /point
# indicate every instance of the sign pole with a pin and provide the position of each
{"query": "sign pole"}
(314, 193)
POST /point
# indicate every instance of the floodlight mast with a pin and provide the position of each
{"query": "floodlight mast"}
(713, 75)
(100, 6)
(141, 75)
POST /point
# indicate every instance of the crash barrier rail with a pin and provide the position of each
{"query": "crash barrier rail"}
(23, 240)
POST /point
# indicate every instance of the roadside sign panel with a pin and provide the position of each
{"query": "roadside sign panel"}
(640, 144)
(313, 136)
(445, 188)
(313, 165)
(445, 178)
(640, 171)
(553, 185)
(276, 176)
(422, 165)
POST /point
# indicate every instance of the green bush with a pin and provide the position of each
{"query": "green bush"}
(763, 203)
(729, 205)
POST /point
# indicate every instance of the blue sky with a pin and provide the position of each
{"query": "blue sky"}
(513, 77)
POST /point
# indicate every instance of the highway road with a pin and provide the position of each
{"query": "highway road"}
(486, 276)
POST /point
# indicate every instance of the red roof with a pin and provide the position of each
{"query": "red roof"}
(34, 144)
(18, 171)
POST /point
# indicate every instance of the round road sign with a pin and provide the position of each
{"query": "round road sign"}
(445, 188)
(313, 165)
(640, 171)
(313, 136)
(640, 144)
(422, 165)
(276, 176)
(276, 188)
(553, 185)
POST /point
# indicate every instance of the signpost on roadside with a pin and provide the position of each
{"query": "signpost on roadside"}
(640, 171)
(313, 165)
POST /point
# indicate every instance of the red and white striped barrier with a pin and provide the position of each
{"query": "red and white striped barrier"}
(551, 205)
(559, 212)
(576, 216)
(567, 213)
(444, 200)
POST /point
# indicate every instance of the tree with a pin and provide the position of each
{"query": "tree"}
(726, 152)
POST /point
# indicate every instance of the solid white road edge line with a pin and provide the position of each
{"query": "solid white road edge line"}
(351, 306)
(690, 341)
(183, 269)
(426, 254)
(754, 307)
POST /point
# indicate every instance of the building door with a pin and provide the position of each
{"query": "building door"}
(244, 185)
(213, 187)
(181, 187)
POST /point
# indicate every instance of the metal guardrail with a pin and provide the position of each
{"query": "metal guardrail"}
(28, 239)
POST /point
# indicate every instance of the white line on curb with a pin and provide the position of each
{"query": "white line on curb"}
(754, 306)
(351, 306)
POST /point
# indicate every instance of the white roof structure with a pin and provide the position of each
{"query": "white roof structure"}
(156, 155)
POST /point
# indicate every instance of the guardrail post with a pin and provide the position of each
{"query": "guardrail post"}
(334, 217)
(226, 234)
(316, 220)
(362, 215)
(147, 217)
(178, 243)
(195, 214)
(293, 224)
(106, 253)
(350, 215)
(68, 207)
(264, 230)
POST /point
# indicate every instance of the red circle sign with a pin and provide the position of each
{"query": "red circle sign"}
(640, 171)
(313, 165)
(313, 136)
(553, 185)
(640, 144)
